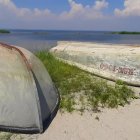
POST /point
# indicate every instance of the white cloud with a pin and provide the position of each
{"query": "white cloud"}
(89, 17)
(99, 5)
(88, 12)
(131, 8)
(8, 8)
(16, 17)
(77, 10)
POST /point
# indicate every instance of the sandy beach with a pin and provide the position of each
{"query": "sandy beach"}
(110, 124)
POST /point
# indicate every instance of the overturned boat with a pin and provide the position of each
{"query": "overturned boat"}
(113, 62)
(28, 98)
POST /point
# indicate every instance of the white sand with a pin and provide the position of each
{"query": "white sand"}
(113, 124)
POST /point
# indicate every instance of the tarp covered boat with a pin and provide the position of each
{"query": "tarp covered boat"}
(28, 97)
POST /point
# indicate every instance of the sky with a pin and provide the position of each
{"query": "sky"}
(97, 15)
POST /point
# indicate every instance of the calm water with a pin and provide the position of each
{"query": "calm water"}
(35, 40)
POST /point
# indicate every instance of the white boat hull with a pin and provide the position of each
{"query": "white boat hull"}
(114, 62)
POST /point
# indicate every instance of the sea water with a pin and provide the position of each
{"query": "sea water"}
(36, 40)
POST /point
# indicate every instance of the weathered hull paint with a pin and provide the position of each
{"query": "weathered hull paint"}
(114, 62)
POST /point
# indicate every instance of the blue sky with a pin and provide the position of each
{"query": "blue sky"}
(70, 14)
(58, 6)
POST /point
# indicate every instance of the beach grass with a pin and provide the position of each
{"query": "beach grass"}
(80, 90)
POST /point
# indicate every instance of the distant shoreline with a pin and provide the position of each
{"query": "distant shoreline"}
(3, 31)
(125, 32)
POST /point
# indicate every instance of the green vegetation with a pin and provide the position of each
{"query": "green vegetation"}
(4, 31)
(81, 90)
(125, 32)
